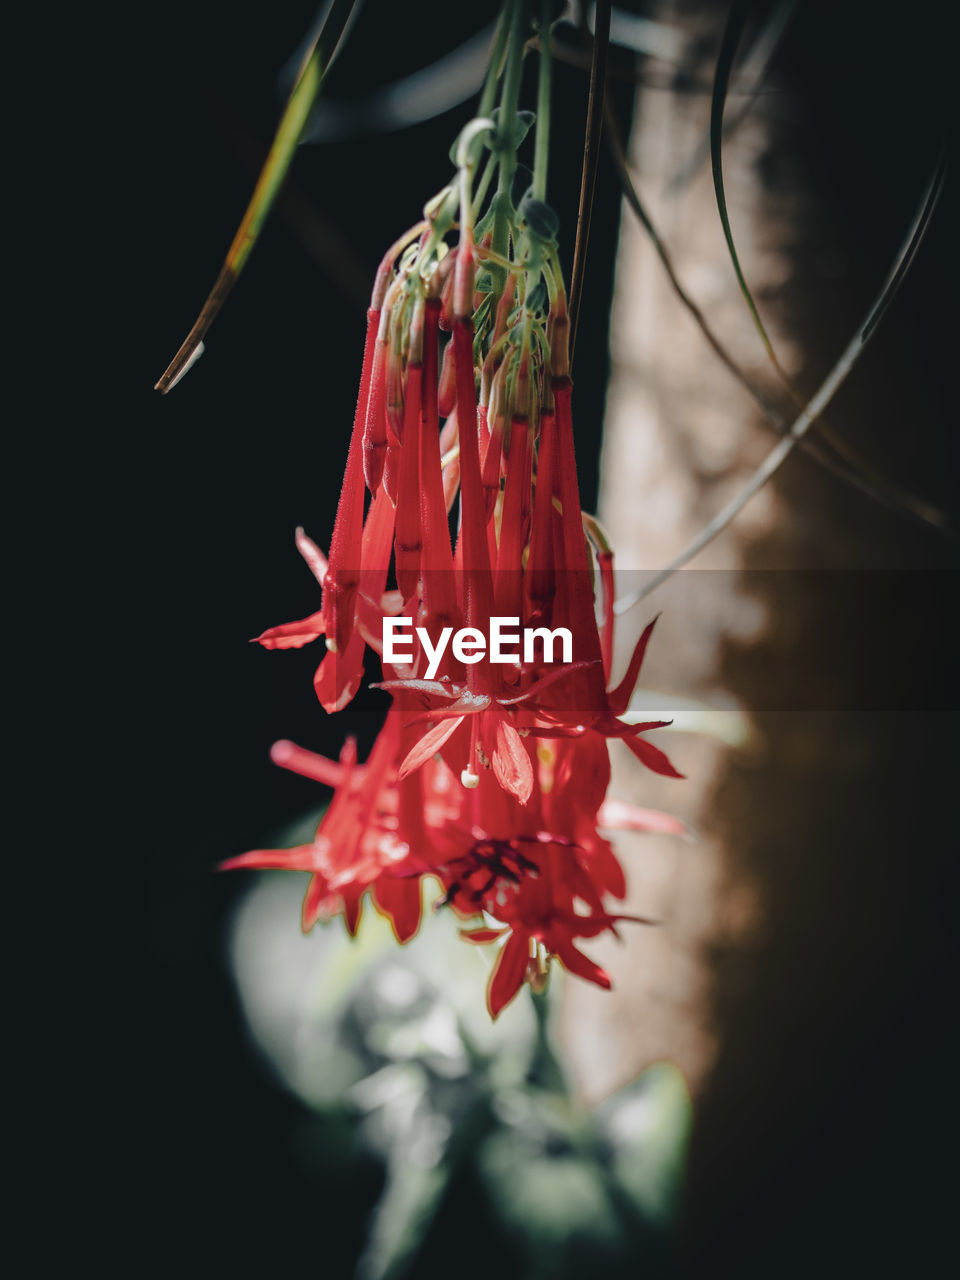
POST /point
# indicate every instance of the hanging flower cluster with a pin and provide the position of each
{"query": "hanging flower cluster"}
(490, 773)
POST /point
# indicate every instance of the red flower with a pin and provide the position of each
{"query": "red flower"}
(375, 835)
(490, 777)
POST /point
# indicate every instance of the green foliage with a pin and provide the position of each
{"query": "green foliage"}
(468, 1117)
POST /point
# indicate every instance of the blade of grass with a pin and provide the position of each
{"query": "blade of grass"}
(332, 31)
(824, 395)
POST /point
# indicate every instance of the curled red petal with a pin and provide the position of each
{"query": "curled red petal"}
(511, 763)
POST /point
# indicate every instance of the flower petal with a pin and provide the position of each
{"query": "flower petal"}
(339, 675)
(652, 757)
(620, 697)
(539, 685)
(481, 936)
(508, 973)
(617, 815)
(400, 901)
(316, 560)
(511, 763)
(303, 857)
(292, 635)
(428, 746)
(576, 962)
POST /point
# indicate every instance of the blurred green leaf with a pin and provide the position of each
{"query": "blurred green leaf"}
(647, 1125)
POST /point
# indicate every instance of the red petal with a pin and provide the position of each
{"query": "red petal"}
(419, 686)
(408, 541)
(473, 525)
(576, 962)
(343, 571)
(352, 910)
(303, 857)
(539, 685)
(481, 936)
(314, 901)
(652, 757)
(338, 676)
(399, 900)
(292, 635)
(428, 746)
(605, 561)
(604, 868)
(617, 815)
(316, 560)
(508, 973)
(375, 420)
(619, 698)
(511, 764)
(308, 764)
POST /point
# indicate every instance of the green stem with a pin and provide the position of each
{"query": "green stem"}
(493, 70)
(486, 178)
(542, 144)
(507, 131)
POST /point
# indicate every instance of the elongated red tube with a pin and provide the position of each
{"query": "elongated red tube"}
(343, 572)
(407, 546)
(439, 592)
(375, 422)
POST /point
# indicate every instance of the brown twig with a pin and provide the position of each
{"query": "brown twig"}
(591, 157)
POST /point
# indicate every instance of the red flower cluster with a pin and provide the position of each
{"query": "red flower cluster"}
(489, 777)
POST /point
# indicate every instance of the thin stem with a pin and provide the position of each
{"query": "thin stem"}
(828, 389)
(541, 153)
(493, 71)
(483, 186)
(852, 469)
(591, 155)
(507, 125)
(466, 165)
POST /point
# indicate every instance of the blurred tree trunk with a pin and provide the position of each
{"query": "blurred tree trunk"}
(794, 977)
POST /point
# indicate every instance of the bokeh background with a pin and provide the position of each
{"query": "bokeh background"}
(802, 981)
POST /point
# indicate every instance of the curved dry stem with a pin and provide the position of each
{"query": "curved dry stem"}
(828, 389)
(591, 156)
(853, 470)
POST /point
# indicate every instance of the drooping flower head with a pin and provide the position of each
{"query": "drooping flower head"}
(460, 505)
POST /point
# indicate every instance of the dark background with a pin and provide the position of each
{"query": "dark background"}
(193, 501)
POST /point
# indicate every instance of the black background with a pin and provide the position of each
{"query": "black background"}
(186, 511)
